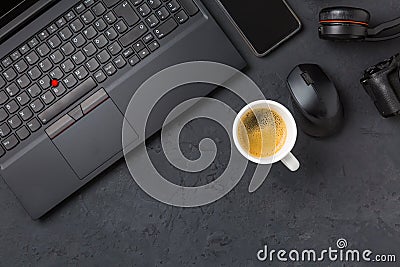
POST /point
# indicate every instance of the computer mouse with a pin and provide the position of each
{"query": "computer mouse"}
(316, 102)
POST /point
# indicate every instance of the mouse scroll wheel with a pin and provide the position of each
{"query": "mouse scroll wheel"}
(307, 78)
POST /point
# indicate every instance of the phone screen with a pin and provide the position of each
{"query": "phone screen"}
(264, 23)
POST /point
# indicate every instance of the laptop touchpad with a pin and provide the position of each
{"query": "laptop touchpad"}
(93, 139)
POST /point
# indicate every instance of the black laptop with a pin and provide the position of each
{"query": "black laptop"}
(68, 71)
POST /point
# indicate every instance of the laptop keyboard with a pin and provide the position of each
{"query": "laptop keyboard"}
(72, 55)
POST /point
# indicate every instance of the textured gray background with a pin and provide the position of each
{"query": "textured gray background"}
(348, 185)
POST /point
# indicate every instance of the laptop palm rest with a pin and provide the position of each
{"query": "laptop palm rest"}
(92, 140)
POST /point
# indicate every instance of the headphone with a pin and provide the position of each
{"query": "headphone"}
(350, 23)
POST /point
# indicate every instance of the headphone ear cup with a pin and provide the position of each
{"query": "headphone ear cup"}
(344, 23)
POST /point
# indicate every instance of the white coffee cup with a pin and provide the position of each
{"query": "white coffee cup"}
(284, 154)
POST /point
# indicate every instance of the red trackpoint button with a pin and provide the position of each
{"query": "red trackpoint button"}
(55, 83)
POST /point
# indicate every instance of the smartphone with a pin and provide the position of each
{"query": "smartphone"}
(264, 24)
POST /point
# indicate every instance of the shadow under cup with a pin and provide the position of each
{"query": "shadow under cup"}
(291, 129)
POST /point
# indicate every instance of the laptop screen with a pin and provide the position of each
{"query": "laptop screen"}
(12, 8)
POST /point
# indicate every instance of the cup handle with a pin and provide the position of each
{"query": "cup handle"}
(291, 162)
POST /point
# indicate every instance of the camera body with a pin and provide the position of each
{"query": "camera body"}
(382, 83)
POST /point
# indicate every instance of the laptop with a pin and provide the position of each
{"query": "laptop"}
(68, 69)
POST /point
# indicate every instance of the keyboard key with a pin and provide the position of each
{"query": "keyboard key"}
(56, 73)
(67, 66)
(152, 21)
(134, 60)
(59, 90)
(23, 81)
(167, 27)
(14, 122)
(54, 41)
(6, 62)
(100, 76)
(89, 50)
(92, 65)
(101, 41)
(69, 16)
(23, 133)
(87, 17)
(125, 11)
(81, 73)
(9, 74)
(121, 26)
(45, 65)
(23, 99)
(110, 69)
(144, 53)
(61, 22)
(99, 9)
(32, 58)
(181, 17)
(79, 40)
(90, 32)
(189, 6)
(70, 81)
(134, 34)
(103, 56)
(148, 38)
(52, 28)
(37, 105)
(43, 50)
(56, 57)
(136, 2)
(10, 142)
(154, 4)
(43, 35)
(88, 3)
(80, 8)
(25, 114)
(78, 58)
(138, 46)
(111, 34)
(12, 89)
(144, 10)
(4, 130)
(21, 66)
(110, 3)
(76, 25)
(110, 17)
(153, 46)
(3, 97)
(45, 82)
(34, 125)
(173, 6)
(24, 49)
(47, 97)
(15, 55)
(12, 107)
(3, 114)
(65, 33)
(114, 48)
(68, 49)
(67, 100)
(119, 62)
(162, 13)
(127, 53)
(33, 42)
(34, 90)
(100, 25)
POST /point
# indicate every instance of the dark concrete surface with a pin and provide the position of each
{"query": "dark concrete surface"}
(348, 185)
